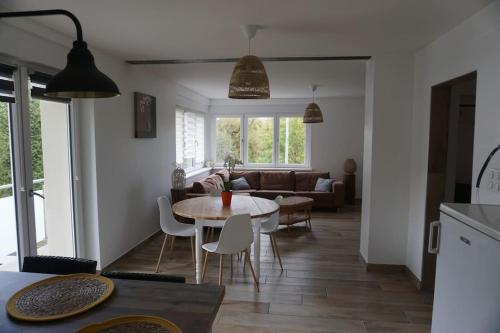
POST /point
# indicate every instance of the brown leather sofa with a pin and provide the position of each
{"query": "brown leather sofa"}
(269, 184)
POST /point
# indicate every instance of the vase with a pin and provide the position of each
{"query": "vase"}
(178, 178)
(350, 166)
(226, 198)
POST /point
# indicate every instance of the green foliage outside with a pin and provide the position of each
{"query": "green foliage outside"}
(5, 172)
(36, 146)
(296, 141)
(227, 138)
(260, 140)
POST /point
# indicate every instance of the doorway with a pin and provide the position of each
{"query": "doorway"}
(451, 145)
(36, 170)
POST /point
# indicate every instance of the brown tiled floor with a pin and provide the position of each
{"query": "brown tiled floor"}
(324, 287)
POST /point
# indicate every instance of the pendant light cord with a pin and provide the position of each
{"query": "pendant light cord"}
(78, 26)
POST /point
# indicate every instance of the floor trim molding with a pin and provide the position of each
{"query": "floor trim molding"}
(393, 268)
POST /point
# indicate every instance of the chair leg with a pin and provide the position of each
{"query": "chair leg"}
(161, 253)
(204, 270)
(247, 257)
(272, 244)
(273, 239)
(231, 267)
(221, 258)
(173, 242)
(192, 251)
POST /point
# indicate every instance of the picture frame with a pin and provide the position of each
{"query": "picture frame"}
(145, 115)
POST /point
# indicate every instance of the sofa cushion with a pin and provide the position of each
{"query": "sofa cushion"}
(210, 182)
(306, 181)
(240, 184)
(277, 180)
(224, 174)
(252, 177)
(272, 194)
(323, 185)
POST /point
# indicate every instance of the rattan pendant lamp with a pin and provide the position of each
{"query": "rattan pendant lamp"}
(249, 79)
(313, 114)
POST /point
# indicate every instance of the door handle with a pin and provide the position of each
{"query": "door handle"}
(436, 225)
(33, 194)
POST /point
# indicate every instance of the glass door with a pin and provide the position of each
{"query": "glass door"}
(8, 222)
(36, 187)
(51, 172)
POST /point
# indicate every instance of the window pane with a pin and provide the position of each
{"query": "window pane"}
(260, 140)
(189, 139)
(227, 138)
(179, 136)
(292, 140)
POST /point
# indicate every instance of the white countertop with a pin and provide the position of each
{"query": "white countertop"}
(485, 218)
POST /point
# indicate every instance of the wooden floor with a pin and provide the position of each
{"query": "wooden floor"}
(324, 287)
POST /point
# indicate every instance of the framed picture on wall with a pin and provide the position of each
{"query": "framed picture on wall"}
(145, 115)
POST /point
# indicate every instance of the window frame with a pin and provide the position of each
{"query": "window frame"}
(199, 165)
(307, 143)
(213, 138)
(244, 140)
(247, 141)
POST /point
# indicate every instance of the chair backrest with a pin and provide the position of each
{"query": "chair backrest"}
(236, 235)
(167, 218)
(58, 265)
(144, 276)
(274, 220)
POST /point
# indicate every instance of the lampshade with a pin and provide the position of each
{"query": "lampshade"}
(313, 114)
(81, 78)
(249, 79)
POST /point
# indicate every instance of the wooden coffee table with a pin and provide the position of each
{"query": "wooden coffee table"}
(296, 209)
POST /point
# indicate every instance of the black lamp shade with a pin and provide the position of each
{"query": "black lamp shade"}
(81, 78)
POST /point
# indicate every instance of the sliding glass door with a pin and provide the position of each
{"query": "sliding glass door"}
(39, 210)
(8, 225)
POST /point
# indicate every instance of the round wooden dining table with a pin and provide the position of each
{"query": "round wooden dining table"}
(208, 211)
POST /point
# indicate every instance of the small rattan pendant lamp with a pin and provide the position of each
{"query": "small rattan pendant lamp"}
(313, 114)
(249, 79)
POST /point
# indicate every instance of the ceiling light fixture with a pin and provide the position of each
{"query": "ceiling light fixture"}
(249, 79)
(80, 78)
(313, 114)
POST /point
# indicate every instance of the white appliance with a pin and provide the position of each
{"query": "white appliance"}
(467, 289)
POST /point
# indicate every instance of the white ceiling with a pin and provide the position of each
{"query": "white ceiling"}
(286, 80)
(183, 29)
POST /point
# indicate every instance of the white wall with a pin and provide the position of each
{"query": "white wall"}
(384, 218)
(339, 137)
(473, 45)
(121, 176)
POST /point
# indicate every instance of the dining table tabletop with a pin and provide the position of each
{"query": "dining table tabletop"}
(191, 307)
(208, 211)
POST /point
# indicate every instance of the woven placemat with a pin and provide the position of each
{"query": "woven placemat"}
(133, 324)
(59, 297)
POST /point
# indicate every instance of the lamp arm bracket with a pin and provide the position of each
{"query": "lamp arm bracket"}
(49, 12)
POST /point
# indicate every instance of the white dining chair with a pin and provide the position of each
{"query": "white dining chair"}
(236, 236)
(270, 227)
(171, 227)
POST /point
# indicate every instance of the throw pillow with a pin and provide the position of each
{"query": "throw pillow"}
(323, 185)
(240, 184)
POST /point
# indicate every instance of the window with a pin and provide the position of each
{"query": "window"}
(189, 139)
(292, 141)
(227, 138)
(260, 140)
(272, 141)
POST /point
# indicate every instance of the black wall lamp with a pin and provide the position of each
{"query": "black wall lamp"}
(80, 78)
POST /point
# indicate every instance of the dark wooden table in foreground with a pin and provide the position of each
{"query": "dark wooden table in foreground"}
(192, 307)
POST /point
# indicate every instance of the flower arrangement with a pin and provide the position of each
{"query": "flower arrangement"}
(230, 163)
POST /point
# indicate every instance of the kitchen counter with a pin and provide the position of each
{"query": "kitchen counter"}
(484, 218)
